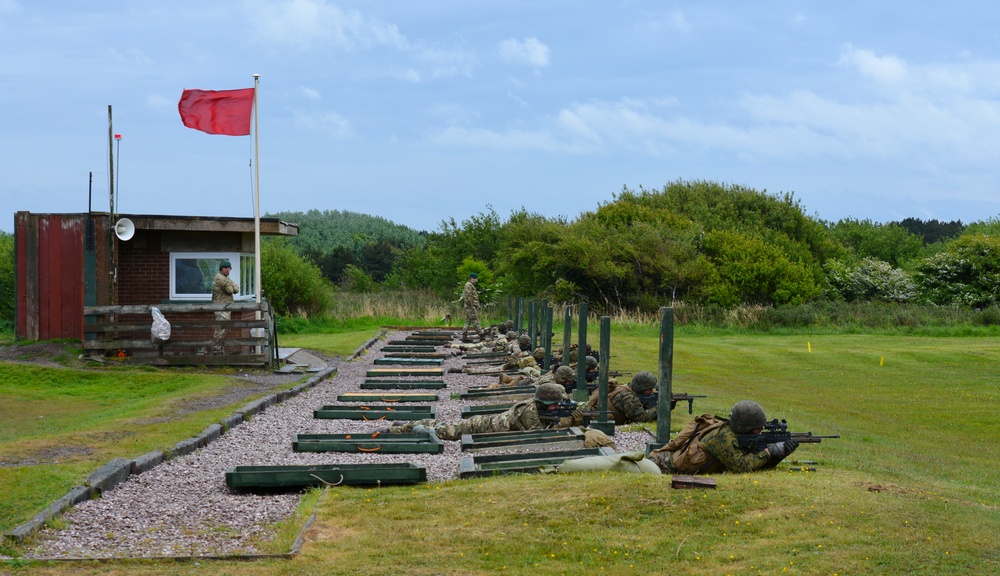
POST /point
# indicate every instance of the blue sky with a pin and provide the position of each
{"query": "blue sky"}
(422, 111)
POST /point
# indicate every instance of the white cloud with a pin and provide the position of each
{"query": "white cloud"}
(528, 52)
(329, 123)
(310, 93)
(9, 7)
(305, 22)
(675, 21)
(885, 69)
(443, 63)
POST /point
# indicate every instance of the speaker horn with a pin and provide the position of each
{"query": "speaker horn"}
(124, 229)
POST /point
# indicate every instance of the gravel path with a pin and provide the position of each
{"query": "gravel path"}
(183, 507)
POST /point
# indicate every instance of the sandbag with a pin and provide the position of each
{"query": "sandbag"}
(634, 462)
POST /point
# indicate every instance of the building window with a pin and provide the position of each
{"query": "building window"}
(192, 273)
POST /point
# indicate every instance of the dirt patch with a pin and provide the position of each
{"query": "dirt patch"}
(49, 354)
(52, 455)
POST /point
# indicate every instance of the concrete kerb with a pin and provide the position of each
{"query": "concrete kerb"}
(364, 347)
(118, 470)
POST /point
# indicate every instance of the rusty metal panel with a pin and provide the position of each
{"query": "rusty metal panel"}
(50, 276)
(71, 267)
(43, 278)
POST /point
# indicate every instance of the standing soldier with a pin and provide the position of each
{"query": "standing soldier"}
(223, 289)
(471, 298)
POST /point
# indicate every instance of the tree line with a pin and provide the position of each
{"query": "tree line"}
(701, 242)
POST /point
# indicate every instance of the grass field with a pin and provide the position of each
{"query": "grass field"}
(910, 487)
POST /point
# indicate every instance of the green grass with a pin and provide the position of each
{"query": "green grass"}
(71, 421)
(910, 487)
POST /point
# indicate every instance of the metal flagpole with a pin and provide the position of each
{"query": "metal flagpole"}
(256, 199)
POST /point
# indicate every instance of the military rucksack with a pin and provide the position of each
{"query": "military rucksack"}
(688, 456)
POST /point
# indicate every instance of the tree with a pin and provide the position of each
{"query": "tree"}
(870, 279)
(886, 242)
(292, 284)
(967, 273)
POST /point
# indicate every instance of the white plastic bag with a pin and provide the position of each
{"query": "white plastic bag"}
(160, 331)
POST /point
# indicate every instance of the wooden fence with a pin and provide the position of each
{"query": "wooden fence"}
(123, 333)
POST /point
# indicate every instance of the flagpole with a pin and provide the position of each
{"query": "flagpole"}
(256, 200)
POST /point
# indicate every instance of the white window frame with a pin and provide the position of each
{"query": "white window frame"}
(242, 273)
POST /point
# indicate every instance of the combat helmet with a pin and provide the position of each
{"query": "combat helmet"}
(591, 363)
(745, 416)
(524, 341)
(539, 354)
(550, 393)
(564, 374)
(510, 335)
(642, 381)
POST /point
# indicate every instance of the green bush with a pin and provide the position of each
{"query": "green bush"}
(291, 284)
(967, 273)
(870, 279)
(7, 275)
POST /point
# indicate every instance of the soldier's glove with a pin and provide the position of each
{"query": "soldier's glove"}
(781, 450)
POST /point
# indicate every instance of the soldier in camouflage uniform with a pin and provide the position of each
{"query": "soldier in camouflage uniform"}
(521, 416)
(708, 444)
(624, 403)
(471, 299)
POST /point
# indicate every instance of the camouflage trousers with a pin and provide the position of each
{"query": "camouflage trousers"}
(472, 319)
(664, 461)
(473, 425)
(220, 332)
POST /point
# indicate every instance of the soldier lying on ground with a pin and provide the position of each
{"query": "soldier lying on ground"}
(521, 416)
(623, 401)
(708, 444)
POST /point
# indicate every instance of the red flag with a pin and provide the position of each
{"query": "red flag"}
(217, 111)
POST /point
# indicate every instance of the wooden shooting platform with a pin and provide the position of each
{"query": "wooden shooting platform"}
(410, 349)
(398, 397)
(485, 409)
(402, 385)
(525, 441)
(288, 477)
(483, 393)
(331, 412)
(478, 466)
(377, 372)
(398, 361)
(413, 443)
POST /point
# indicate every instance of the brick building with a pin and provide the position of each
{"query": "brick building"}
(68, 261)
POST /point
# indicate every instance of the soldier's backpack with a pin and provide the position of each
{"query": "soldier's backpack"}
(688, 456)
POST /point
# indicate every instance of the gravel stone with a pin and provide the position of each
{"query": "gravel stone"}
(184, 508)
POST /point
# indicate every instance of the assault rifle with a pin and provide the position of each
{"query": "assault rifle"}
(776, 431)
(565, 409)
(650, 400)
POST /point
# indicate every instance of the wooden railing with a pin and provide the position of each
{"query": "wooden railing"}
(122, 333)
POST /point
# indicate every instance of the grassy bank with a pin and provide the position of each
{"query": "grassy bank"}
(908, 488)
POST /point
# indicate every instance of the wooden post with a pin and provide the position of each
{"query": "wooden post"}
(665, 379)
(580, 394)
(532, 317)
(567, 335)
(602, 423)
(547, 336)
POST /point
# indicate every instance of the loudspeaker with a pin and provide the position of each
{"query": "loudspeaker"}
(124, 229)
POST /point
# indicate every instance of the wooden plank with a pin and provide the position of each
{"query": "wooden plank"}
(352, 412)
(385, 397)
(557, 438)
(392, 361)
(405, 372)
(411, 443)
(485, 409)
(272, 477)
(426, 385)
(499, 464)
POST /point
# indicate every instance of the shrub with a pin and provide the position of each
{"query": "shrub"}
(870, 279)
(967, 273)
(291, 284)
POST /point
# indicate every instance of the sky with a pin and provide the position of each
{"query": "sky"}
(420, 112)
